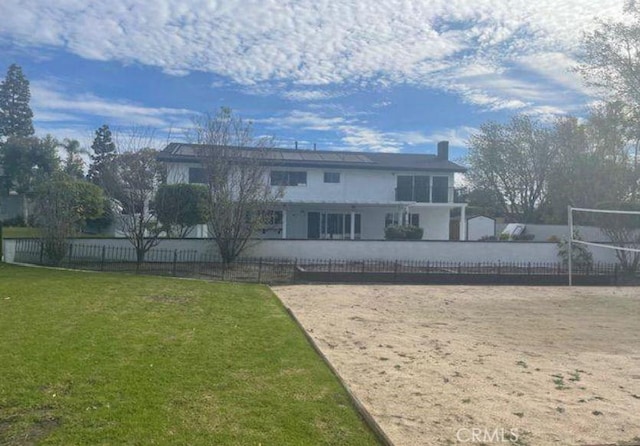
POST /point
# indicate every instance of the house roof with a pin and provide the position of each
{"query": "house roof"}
(187, 153)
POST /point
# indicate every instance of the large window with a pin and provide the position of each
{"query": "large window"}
(440, 189)
(422, 188)
(197, 175)
(288, 178)
(413, 188)
(332, 177)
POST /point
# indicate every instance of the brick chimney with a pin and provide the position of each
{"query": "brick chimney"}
(443, 150)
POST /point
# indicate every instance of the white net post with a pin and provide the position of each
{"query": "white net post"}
(569, 262)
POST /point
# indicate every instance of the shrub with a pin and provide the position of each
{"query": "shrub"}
(581, 256)
(180, 207)
(398, 232)
(524, 237)
(413, 232)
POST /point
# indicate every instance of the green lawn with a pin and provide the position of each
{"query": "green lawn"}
(19, 232)
(90, 358)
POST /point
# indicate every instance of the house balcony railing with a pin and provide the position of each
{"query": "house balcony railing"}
(435, 195)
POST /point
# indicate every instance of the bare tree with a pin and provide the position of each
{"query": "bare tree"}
(513, 161)
(138, 174)
(237, 178)
(623, 230)
(610, 62)
(134, 176)
(610, 58)
(591, 165)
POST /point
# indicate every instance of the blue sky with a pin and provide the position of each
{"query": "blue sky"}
(384, 75)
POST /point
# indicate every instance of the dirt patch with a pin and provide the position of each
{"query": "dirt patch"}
(28, 428)
(555, 366)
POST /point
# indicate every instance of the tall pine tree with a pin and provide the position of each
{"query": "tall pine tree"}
(104, 153)
(15, 113)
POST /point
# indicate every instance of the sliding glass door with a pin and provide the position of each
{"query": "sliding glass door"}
(332, 225)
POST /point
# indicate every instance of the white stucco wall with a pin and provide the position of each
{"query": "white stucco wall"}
(451, 251)
(391, 250)
(542, 233)
(356, 185)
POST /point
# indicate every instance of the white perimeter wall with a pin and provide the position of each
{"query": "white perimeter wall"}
(450, 251)
(542, 233)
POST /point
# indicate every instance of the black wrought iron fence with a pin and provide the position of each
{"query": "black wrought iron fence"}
(190, 263)
(173, 262)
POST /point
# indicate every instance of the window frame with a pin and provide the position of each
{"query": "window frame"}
(287, 177)
(327, 175)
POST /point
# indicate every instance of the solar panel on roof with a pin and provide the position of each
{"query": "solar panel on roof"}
(290, 155)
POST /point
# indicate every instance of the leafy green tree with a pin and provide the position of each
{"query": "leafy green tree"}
(105, 220)
(179, 207)
(73, 163)
(15, 113)
(102, 161)
(25, 162)
(62, 206)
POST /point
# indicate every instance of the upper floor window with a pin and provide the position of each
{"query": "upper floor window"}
(197, 175)
(422, 188)
(332, 177)
(288, 178)
(440, 190)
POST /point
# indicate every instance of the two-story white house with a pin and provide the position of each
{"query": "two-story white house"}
(346, 195)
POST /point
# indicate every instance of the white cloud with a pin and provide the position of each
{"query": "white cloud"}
(309, 95)
(360, 138)
(304, 120)
(457, 137)
(64, 114)
(50, 103)
(353, 134)
(437, 44)
(557, 68)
